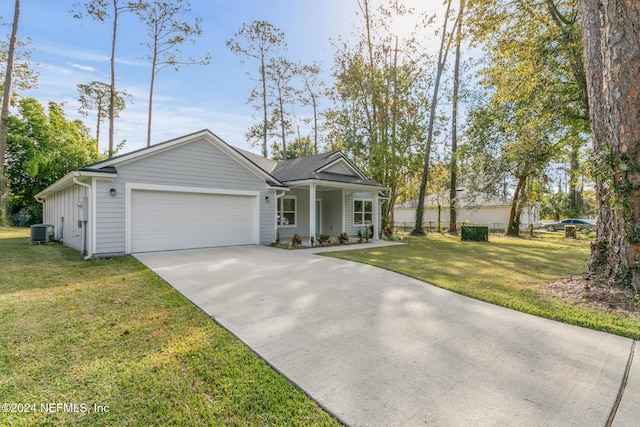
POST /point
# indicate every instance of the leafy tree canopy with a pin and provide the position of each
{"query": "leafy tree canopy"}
(42, 147)
(380, 102)
(25, 77)
(299, 147)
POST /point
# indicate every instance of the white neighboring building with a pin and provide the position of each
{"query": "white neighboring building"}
(483, 209)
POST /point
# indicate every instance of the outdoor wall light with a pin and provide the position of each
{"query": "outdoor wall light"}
(112, 191)
(266, 199)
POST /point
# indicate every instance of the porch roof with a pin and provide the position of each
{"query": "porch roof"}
(337, 180)
(305, 170)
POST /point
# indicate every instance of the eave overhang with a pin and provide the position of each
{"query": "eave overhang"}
(82, 175)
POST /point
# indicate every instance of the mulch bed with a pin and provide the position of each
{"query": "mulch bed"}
(582, 291)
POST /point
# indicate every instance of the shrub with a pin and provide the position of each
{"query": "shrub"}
(323, 239)
(296, 240)
(343, 239)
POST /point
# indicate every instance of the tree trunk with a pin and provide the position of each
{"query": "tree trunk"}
(265, 126)
(6, 94)
(98, 131)
(151, 85)
(611, 42)
(4, 114)
(367, 20)
(112, 88)
(315, 124)
(442, 55)
(453, 227)
(513, 226)
(574, 166)
(371, 88)
(282, 129)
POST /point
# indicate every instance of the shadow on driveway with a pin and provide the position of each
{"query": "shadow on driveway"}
(377, 348)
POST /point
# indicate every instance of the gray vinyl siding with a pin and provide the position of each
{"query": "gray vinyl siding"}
(331, 212)
(332, 216)
(197, 164)
(268, 217)
(62, 210)
(339, 169)
(302, 215)
(110, 217)
(352, 230)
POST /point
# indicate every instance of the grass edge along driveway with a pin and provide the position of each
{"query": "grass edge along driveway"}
(107, 342)
(504, 271)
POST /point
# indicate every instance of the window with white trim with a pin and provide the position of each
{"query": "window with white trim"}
(287, 211)
(362, 212)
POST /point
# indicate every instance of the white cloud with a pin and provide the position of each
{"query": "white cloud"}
(86, 55)
(81, 67)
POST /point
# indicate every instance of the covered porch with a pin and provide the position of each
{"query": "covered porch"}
(314, 207)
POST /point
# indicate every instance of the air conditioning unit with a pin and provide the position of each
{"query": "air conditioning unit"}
(42, 233)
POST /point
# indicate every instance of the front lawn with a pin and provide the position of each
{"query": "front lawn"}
(505, 271)
(107, 342)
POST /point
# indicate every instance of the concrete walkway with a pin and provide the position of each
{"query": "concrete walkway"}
(380, 349)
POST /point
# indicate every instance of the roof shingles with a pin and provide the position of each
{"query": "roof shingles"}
(306, 168)
(300, 169)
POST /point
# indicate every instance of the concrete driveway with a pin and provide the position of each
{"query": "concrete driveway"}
(377, 348)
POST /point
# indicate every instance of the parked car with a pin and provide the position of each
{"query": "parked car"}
(580, 224)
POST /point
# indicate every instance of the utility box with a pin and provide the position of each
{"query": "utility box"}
(42, 233)
(474, 233)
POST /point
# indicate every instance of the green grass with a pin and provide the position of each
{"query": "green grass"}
(110, 332)
(504, 271)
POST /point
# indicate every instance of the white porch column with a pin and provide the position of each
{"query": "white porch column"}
(376, 215)
(344, 214)
(312, 212)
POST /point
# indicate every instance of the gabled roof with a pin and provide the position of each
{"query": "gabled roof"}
(322, 167)
(318, 167)
(304, 167)
(266, 164)
(206, 134)
(332, 167)
(108, 168)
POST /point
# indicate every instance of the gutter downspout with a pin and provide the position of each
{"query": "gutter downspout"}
(41, 201)
(84, 226)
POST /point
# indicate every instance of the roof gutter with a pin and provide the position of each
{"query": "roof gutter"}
(66, 181)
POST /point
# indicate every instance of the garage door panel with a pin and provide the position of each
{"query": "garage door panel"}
(163, 220)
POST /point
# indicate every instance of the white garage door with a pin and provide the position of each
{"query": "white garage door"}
(165, 220)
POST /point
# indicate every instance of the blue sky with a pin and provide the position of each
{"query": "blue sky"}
(70, 51)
